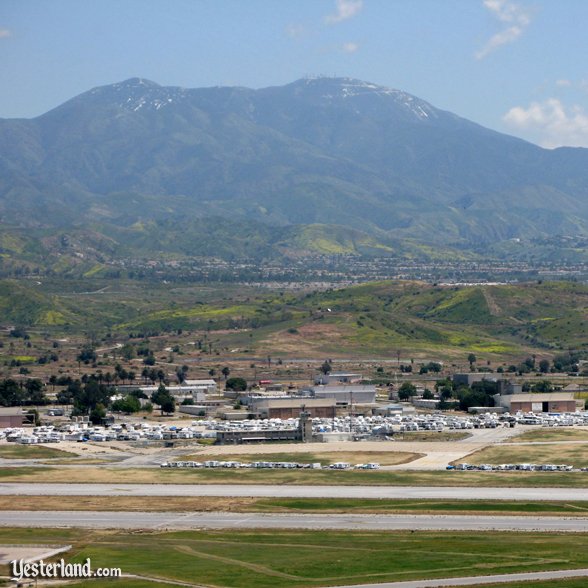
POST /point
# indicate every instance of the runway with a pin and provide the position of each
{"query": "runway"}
(222, 520)
(480, 580)
(291, 491)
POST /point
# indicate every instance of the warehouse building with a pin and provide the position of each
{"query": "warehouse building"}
(346, 395)
(290, 408)
(542, 402)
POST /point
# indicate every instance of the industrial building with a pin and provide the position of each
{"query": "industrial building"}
(338, 377)
(301, 433)
(541, 402)
(287, 408)
(11, 416)
(346, 395)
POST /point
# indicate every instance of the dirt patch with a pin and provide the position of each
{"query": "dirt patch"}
(309, 339)
(9, 553)
(343, 446)
(125, 503)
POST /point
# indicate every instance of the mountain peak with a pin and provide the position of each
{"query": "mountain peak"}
(136, 83)
(139, 93)
(353, 90)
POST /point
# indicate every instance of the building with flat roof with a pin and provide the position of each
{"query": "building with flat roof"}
(209, 386)
(195, 393)
(346, 394)
(290, 408)
(540, 402)
(338, 377)
(11, 417)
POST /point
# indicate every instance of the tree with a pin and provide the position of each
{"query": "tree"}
(468, 398)
(87, 398)
(428, 395)
(127, 351)
(326, 368)
(472, 360)
(11, 393)
(98, 414)
(128, 404)
(164, 399)
(542, 386)
(87, 355)
(544, 366)
(406, 391)
(35, 392)
(236, 384)
(225, 372)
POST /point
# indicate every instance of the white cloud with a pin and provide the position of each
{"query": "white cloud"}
(4, 33)
(552, 123)
(350, 47)
(296, 31)
(563, 83)
(515, 18)
(345, 9)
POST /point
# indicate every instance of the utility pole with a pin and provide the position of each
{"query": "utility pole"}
(351, 412)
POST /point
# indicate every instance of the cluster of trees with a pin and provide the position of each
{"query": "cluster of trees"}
(568, 362)
(92, 398)
(236, 384)
(432, 366)
(19, 393)
(478, 394)
(164, 399)
(89, 399)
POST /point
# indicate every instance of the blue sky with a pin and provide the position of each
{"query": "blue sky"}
(517, 66)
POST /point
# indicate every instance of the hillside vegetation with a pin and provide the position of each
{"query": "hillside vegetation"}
(381, 319)
(240, 172)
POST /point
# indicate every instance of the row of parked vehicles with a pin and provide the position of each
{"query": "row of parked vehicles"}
(378, 425)
(117, 432)
(268, 465)
(524, 467)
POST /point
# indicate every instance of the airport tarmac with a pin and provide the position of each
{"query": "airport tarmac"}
(480, 580)
(223, 520)
(292, 491)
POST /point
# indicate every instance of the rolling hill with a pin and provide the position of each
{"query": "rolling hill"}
(375, 319)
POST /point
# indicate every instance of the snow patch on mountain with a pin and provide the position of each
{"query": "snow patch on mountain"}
(138, 93)
(352, 88)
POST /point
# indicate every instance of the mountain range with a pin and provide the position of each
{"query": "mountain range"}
(336, 158)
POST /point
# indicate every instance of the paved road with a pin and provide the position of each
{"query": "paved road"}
(477, 580)
(288, 491)
(221, 520)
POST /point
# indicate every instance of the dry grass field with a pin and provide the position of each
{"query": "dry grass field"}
(89, 474)
(325, 458)
(543, 434)
(292, 505)
(560, 453)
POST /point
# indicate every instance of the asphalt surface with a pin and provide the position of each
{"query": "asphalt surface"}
(221, 520)
(477, 580)
(289, 491)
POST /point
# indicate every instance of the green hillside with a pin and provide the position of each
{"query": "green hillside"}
(375, 319)
(25, 304)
